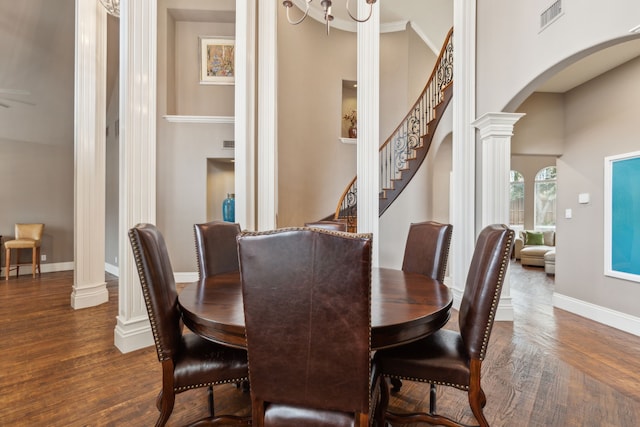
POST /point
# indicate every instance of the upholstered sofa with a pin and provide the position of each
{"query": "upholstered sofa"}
(531, 246)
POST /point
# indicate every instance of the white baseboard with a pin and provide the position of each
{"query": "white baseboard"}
(606, 316)
(133, 334)
(185, 277)
(112, 269)
(44, 268)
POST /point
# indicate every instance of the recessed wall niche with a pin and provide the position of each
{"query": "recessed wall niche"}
(220, 182)
(349, 105)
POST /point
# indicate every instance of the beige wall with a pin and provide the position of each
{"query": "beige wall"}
(36, 137)
(541, 130)
(514, 56)
(184, 150)
(313, 165)
(601, 120)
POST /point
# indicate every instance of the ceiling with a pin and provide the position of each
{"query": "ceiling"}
(591, 66)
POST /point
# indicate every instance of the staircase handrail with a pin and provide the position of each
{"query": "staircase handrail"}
(407, 137)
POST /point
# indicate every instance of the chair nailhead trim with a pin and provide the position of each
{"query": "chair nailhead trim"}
(145, 292)
(211, 383)
(422, 380)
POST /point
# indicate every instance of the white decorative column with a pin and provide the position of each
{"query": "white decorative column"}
(245, 118)
(496, 130)
(138, 35)
(89, 285)
(463, 148)
(368, 102)
(267, 116)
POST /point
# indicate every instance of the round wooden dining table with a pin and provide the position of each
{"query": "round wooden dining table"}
(404, 307)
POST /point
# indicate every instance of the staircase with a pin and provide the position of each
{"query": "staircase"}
(404, 151)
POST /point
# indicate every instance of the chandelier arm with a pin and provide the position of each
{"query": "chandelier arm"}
(288, 4)
(360, 20)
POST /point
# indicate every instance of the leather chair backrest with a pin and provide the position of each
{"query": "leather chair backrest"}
(307, 299)
(216, 247)
(29, 231)
(427, 249)
(484, 285)
(158, 288)
(328, 225)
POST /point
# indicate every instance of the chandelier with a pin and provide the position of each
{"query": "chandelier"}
(328, 17)
(112, 6)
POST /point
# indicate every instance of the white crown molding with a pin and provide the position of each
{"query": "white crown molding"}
(424, 38)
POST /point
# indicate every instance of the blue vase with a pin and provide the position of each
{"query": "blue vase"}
(229, 208)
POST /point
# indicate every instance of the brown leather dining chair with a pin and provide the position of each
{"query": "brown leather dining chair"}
(427, 249)
(307, 303)
(455, 358)
(28, 236)
(216, 247)
(336, 225)
(188, 361)
(426, 252)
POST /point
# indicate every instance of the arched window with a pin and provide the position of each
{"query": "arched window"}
(545, 199)
(516, 204)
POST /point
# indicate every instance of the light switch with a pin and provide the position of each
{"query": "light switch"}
(583, 198)
(567, 213)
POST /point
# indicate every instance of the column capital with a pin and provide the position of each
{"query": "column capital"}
(496, 124)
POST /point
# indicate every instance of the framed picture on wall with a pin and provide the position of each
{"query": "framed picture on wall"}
(622, 216)
(217, 60)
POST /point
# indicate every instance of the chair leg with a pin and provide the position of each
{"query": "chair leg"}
(17, 262)
(34, 255)
(165, 404)
(432, 399)
(477, 398)
(38, 261)
(210, 399)
(384, 403)
(7, 263)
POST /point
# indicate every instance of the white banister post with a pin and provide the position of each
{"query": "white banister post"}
(496, 130)
(138, 39)
(89, 285)
(368, 102)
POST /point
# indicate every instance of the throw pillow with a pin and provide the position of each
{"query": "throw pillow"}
(534, 238)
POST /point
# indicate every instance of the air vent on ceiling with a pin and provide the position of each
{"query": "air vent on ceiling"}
(552, 13)
(229, 144)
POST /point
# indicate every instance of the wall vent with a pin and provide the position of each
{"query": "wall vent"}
(551, 14)
(229, 144)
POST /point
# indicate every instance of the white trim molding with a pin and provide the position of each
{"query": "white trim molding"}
(89, 286)
(200, 119)
(137, 186)
(603, 315)
(132, 334)
(496, 130)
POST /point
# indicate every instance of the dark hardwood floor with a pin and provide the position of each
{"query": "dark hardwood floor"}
(547, 368)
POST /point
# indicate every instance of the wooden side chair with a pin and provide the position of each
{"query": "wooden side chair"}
(307, 303)
(28, 236)
(188, 361)
(216, 247)
(336, 225)
(455, 358)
